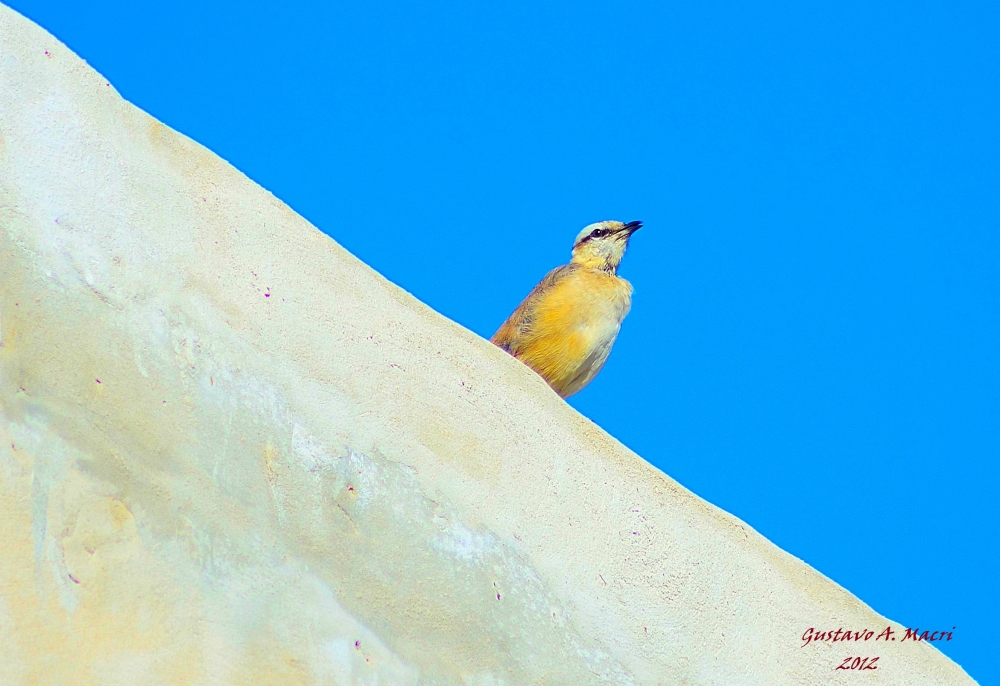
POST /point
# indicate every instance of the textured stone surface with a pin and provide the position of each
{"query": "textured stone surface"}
(232, 453)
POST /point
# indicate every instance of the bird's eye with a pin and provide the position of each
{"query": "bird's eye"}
(597, 233)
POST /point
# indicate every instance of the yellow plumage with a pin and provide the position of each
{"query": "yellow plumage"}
(566, 326)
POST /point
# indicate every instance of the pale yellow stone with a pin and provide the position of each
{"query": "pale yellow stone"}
(330, 485)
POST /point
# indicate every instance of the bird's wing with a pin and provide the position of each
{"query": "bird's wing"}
(513, 331)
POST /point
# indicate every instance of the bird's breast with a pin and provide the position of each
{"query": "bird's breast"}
(574, 326)
(588, 300)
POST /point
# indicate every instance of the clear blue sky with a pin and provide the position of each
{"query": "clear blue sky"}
(814, 343)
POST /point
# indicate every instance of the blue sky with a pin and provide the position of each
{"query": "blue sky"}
(814, 343)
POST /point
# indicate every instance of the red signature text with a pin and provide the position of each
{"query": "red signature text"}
(812, 635)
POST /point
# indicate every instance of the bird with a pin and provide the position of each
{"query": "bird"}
(566, 326)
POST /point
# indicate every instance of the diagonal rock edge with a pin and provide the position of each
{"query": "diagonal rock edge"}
(233, 453)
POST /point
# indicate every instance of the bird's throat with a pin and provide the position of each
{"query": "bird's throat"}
(598, 262)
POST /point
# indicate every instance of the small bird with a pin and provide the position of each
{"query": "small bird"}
(566, 326)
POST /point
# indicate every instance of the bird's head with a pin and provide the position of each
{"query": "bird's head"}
(602, 245)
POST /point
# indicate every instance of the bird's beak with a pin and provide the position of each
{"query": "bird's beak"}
(630, 228)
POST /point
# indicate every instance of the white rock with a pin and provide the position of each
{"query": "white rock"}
(232, 453)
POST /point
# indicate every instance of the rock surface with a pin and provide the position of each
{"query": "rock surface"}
(232, 453)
